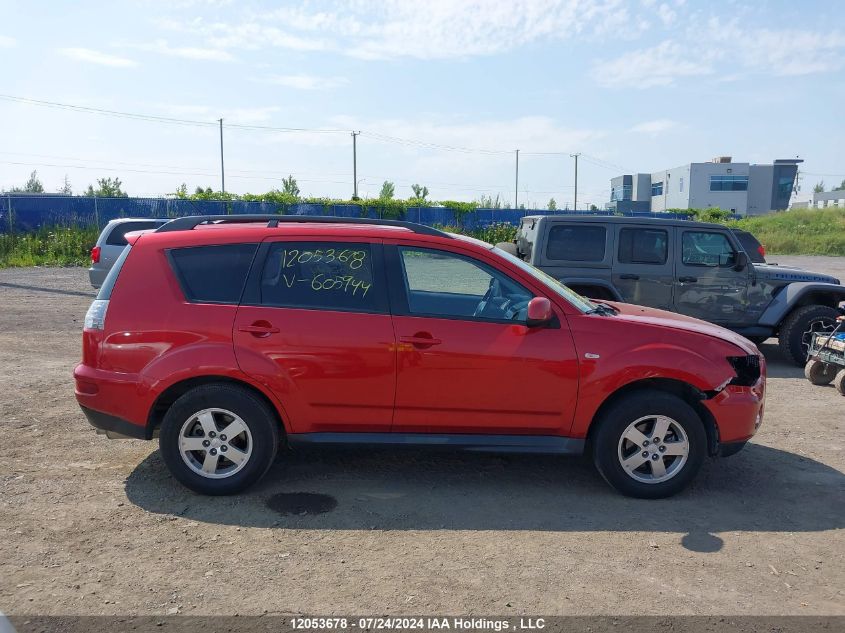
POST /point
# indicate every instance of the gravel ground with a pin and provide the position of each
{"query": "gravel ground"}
(96, 526)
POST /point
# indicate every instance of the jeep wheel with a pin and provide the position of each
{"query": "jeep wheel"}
(649, 444)
(796, 331)
(219, 439)
(819, 373)
(839, 382)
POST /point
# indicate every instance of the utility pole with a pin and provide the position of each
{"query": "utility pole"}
(222, 173)
(355, 164)
(575, 203)
(516, 185)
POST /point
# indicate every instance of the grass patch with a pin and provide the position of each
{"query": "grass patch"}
(48, 246)
(799, 232)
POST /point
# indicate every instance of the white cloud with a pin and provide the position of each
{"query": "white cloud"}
(436, 29)
(97, 57)
(305, 82)
(726, 50)
(187, 52)
(656, 66)
(654, 127)
(7, 42)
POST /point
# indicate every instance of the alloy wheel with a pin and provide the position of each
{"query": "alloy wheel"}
(215, 443)
(653, 449)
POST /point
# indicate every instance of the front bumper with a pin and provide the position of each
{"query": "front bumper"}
(738, 412)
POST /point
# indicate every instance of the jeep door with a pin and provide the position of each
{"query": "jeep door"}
(467, 362)
(707, 284)
(314, 327)
(643, 267)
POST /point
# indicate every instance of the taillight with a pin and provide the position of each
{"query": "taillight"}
(95, 318)
(762, 251)
(95, 255)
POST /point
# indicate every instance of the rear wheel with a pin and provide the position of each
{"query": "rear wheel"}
(649, 444)
(219, 439)
(819, 373)
(796, 331)
(839, 382)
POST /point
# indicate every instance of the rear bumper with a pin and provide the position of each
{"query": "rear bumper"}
(97, 276)
(111, 402)
(113, 427)
(738, 412)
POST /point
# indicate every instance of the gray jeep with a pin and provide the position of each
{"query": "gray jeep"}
(693, 268)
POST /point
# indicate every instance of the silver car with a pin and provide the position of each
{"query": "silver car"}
(111, 243)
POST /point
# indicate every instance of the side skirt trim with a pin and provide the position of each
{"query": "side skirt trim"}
(548, 444)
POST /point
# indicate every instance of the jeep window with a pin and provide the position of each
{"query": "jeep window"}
(576, 243)
(212, 274)
(643, 246)
(702, 248)
(323, 276)
(117, 236)
(443, 284)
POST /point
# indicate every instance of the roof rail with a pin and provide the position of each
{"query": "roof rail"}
(191, 221)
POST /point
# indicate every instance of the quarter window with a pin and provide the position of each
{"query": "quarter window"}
(577, 243)
(643, 246)
(321, 275)
(707, 249)
(444, 284)
(213, 274)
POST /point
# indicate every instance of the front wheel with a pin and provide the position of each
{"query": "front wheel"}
(219, 439)
(797, 330)
(649, 444)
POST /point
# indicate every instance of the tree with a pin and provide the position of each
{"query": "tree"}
(552, 206)
(388, 190)
(840, 187)
(182, 191)
(66, 189)
(33, 185)
(107, 188)
(819, 187)
(289, 186)
(419, 192)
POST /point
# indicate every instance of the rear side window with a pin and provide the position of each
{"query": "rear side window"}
(576, 243)
(322, 275)
(213, 274)
(707, 249)
(117, 236)
(643, 246)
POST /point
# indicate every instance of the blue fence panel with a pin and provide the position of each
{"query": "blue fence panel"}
(31, 212)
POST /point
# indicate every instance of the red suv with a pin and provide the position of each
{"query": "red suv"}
(229, 337)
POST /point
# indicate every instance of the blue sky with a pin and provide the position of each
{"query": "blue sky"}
(635, 85)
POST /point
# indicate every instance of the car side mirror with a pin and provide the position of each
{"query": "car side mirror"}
(741, 261)
(539, 312)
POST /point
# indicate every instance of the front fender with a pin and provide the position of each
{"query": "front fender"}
(792, 296)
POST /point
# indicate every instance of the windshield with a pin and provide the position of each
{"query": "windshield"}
(582, 303)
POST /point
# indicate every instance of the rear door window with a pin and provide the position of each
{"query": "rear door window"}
(117, 236)
(643, 246)
(703, 248)
(338, 276)
(576, 243)
(213, 274)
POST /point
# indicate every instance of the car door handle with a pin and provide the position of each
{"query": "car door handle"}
(259, 329)
(420, 339)
(687, 280)
(629, 276)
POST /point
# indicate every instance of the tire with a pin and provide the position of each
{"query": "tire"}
(508, 247)
(839, 382)
(646, 409)
(819, 373)
(201, 415)
(796, 330)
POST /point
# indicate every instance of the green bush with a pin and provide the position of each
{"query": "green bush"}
(48, 246)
